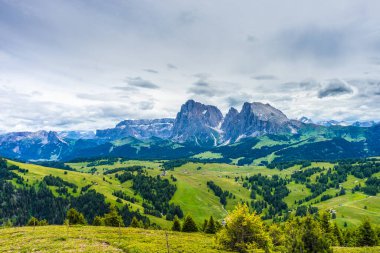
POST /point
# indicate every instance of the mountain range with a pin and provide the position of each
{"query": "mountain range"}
(197, 128)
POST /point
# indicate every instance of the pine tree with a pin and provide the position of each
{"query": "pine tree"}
(366, 235)
(325, 221)
(204, 226)
(210, 228)
(113, 219)
(176, 224)
(313, 239)
(135, 222)
(189, 225)
(338, 235)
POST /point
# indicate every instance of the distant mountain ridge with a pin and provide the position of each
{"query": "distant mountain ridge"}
(329, 123)
(196, 128)
(141, 129)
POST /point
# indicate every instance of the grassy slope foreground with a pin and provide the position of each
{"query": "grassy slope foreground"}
(101, 239)
(107, 239)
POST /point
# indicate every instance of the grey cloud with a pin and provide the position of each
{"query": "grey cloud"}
(141, 83)
(171, 66)
(202, 75)
(146, 105)
(308, 84)
(151, 71)
(294, 86)
(366, 88)
(95, 97)
(375, 60)
(125, 88)
(238, 99)
(334, 88)
(187, 17)
(203, 87)
(202, 91)
(251, 38)
(317, 43)
(265, 77)
(234, 101)
(201, 83)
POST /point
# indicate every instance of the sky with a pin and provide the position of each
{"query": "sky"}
(87, 65)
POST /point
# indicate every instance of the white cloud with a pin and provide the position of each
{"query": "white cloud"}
(74, 53)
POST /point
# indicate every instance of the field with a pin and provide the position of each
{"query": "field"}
(107, 239)
(197, 199)
(101, 239)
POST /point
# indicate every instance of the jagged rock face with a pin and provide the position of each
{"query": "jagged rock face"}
(41, 145)
(197, 123)
(256, 119)
(140, 129)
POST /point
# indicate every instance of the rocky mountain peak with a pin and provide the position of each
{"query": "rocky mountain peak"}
(264, 112)
(255, 119)
(197, 123)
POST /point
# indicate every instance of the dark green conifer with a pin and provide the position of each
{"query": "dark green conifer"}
(366, 235)
(210, 228)
(135, 222)
(189, 225)
(176, 224)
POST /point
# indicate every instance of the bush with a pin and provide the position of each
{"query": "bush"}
(75, 218)
(244, 231)
(33, 221)
(98, 221)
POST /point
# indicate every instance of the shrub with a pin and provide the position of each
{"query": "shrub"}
(98, 221)
(74, 217)
(244, 231)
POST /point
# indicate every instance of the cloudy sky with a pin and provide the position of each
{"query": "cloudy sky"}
(89, 64)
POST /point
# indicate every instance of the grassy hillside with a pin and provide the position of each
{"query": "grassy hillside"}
(195, 198)
(107, 239)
